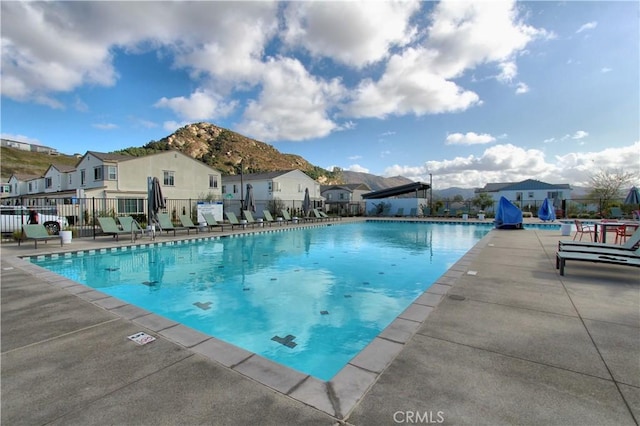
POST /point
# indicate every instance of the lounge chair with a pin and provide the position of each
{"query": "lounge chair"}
(110, 227)
(413, 212)
(37, 232)
(563, 256)
(130, 224)
(610, 250)
(249, 217)
(166, 225)
(188, 223)
(266, 214)
(286, 216)
(399, 212)
(326, 216)
(212, 222)
(631, 244)
(317, 215)
(233, 220)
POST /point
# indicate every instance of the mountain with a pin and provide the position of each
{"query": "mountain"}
(374, 182)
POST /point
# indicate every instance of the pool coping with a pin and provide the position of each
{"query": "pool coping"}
(336, 397)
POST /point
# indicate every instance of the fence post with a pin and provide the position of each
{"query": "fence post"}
(93, 215)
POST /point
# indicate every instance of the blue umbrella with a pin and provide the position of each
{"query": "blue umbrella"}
(633, 197)
(547, 211)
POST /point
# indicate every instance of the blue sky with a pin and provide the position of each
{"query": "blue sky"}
(471, 92)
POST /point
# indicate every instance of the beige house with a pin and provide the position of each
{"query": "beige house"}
(119, 183)
(346, 198)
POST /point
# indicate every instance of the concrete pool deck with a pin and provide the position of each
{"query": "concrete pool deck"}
(501, 338)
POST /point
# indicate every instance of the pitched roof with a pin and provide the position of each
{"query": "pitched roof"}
(525, 185)
(347, 187)
(256, 176)
(105, 156)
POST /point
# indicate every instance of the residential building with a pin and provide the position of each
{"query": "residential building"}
(286, 188)
(345, 199)
(26, 146)
(528, 194)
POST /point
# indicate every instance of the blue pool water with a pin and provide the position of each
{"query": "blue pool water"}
(310, 299)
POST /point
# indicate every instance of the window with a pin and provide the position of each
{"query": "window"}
(70, 180)
(169, 178)
(97, 173)
(6, 188)
(131, 205)
(329, 196)
(235, 189)
(112, 173)
(274, 186)
(30, 187)
(531, 194)
(47, 182)
(342, 195)
(83, 177)
(224, 189)
(213, 181)
(299, 187)
(270, 186)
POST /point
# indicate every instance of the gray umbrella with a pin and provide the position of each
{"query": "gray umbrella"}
(249, 202)
(156, 200)
(633, 197)
(306, 204)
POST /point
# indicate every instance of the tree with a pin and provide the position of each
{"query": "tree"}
(609, 185)
(482, 200)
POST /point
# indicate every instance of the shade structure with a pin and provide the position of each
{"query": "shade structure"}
(547, 211)
(306, 203)
(249, 202)
(156, 200)
(633, 197)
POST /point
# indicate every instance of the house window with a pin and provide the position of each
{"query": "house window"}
(112, 173)
(47, 182)
(6, 188)
(213, 181)
(329, 196)
(131, 205)
(70, 175)
(83, 177)
(169, 178)
(97, 173)
(531, 194)
(270, 186)
(299, 187)
(235, 189)
(342, 195)
(30, 187)
(224, 189)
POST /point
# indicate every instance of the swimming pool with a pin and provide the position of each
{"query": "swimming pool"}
(309, 299)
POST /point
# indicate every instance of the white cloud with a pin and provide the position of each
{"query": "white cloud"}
(357, 168)
(105, 126)
(469, 138)
(509, 163)
(200, 105)
(20, 138)
(605, 70)
(293, 104)
(355, 33)
(587, 26)
(580, 134)
(521, 88)
(355, 157)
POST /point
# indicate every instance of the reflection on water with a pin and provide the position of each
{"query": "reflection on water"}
(309, 298)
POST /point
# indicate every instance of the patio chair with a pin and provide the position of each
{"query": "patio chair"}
(584, 229)
(166, 225)
(286, 216)
(563, 256)
(399, 212)
(326, 216)
(37, 232)
(110, 227)
(317, 215)
(266, 214)
(631, 243)
(130, 224)
(186, 222)
(413, 212)
(212, 222)
(233, 220)
(249, 217)
(612, 250)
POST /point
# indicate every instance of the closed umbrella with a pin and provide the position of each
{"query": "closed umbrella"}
(633, 197)
(156, 200)
(306, 203)
(547, 211)
(249, 202)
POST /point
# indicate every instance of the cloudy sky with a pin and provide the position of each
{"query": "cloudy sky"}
(489, 91)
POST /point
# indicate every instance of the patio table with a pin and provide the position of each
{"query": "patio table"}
(603, 225)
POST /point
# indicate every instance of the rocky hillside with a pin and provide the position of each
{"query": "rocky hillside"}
(224, 149)
(374, 182)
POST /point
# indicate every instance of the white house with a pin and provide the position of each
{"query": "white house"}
(346, 198)
(528, 194)
(285, 187)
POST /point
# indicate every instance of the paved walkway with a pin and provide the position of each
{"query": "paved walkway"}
(506, 341)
